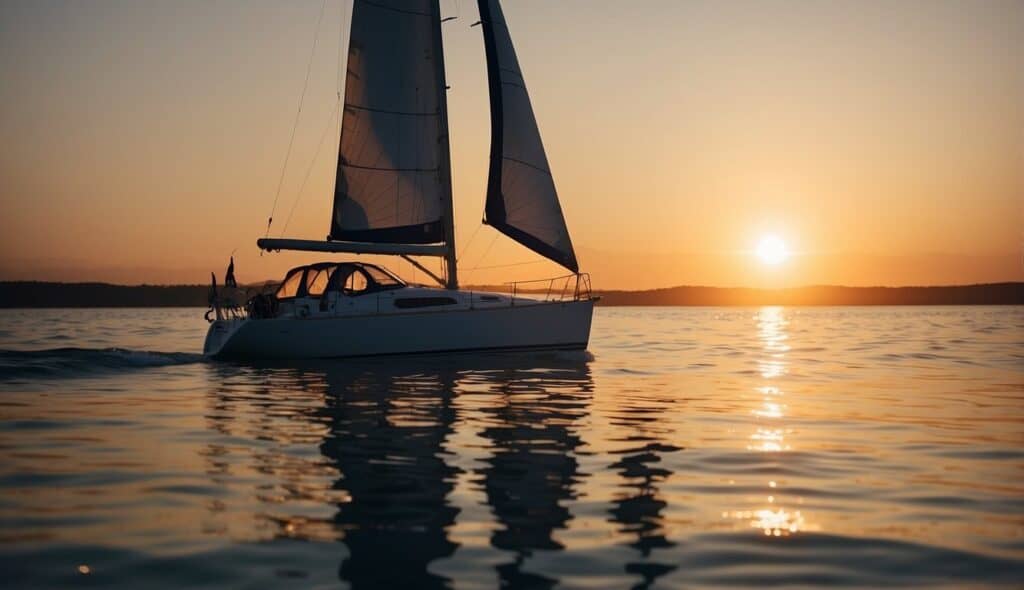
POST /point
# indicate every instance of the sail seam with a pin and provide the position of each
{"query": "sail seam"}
(537, 168)
(390, 169)
(389, 112)
(393, 9)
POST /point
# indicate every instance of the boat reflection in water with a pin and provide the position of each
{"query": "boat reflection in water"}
(533, 474)
(385, 428)
(638, 507)
(387, 433)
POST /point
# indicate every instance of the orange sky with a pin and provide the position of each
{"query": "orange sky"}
(883, 141)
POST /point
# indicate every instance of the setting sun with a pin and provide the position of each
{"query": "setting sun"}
(772, 250)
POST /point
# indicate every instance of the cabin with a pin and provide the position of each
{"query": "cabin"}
(356, 288)
(350, 278)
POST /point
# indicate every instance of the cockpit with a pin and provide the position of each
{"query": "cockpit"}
(327, 284)
(349, 278)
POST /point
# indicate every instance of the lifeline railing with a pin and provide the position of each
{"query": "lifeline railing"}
(574, 287)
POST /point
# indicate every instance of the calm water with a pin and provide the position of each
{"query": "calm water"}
(692, 447)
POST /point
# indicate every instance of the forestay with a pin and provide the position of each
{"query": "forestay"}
(393, 183)
(521, 198)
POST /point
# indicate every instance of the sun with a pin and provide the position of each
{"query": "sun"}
(772, 250)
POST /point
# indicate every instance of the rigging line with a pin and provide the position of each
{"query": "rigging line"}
(328, 127)
(466, 247)
(295, 125)
(506, 265)
(487, 251)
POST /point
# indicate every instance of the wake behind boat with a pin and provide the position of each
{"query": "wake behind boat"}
(393, 196)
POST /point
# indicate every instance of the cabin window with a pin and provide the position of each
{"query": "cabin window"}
(383, 278)
(316, 280)
(411, 302)
(290, 287)
(356, 283)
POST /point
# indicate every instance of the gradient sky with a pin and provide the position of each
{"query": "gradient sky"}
(882, 140)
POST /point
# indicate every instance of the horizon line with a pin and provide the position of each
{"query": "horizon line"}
(494, 285)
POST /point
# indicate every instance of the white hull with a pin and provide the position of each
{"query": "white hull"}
(557, 325)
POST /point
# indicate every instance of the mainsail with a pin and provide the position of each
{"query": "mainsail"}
(394, 175)
(521, 198)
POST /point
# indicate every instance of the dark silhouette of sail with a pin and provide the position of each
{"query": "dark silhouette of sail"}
(393, 178)
(521, 198)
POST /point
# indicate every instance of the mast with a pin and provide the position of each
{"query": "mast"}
(445, 168)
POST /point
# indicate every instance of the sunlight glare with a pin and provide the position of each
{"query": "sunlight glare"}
(772, 250)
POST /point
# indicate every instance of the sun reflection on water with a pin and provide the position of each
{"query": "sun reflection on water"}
(771, 369)
(769, 410)
(770, 435)
(769, 440)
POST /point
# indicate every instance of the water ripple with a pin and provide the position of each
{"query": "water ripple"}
(862, 447)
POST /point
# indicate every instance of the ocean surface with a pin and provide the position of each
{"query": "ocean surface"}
(691, 447)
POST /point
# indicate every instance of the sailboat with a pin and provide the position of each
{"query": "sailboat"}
(393, 196)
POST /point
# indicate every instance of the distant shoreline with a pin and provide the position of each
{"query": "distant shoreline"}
(35, 294)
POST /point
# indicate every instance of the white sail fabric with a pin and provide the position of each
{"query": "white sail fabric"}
(393, 159)
(521, 198)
